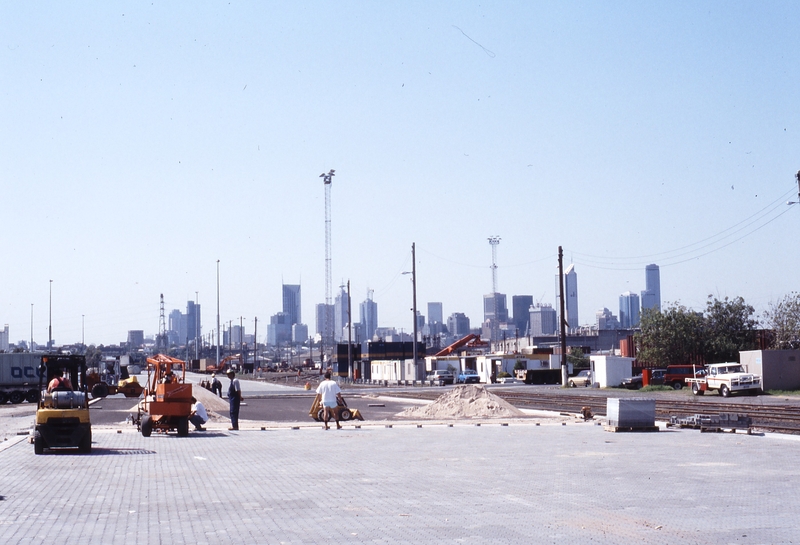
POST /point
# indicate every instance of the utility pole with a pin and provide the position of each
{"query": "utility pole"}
(563, 320)
(414, 304)
(241, 340)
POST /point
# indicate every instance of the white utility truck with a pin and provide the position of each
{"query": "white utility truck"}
(727, 378)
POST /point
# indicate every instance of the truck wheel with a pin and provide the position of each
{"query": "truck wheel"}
(86, 444)
(724, 391)
(3, 398)
(677, 385)
(16, 397)
(696, 389)
(345, 415)
(99, 390)
(147, 426)
(32, 396)
(321, 415)
(183, 427)
(571, 384)
(38, 443)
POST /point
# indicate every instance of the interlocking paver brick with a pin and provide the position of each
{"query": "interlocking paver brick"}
(460, 484)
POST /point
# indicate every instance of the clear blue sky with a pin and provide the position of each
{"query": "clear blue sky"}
(142, 142)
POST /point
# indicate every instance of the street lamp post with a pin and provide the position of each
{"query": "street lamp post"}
(413, 274)
(196, 325)
(50, 327)
(217, 313)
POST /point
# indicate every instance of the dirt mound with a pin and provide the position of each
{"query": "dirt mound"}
(469, 401)
(210, 401)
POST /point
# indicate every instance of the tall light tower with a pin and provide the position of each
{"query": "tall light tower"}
(161, 342)
(327, 331)
(494, 241)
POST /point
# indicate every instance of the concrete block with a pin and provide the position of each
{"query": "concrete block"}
(631, 412)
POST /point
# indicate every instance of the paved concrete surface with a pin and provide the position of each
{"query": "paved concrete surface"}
(519, 483)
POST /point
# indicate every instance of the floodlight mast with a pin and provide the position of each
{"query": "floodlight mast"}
(494, 241)
(327, 328)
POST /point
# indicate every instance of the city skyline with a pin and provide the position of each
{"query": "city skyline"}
(144, 145)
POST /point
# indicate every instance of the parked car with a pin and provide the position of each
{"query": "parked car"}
(468, 376)
(584, 378)
(441, 377)
(634, 383)
(677, 374)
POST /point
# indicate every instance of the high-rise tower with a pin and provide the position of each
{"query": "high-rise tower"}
(629, 310)
(291, 303)
(369, 316)
(651, 296)
(571, 296)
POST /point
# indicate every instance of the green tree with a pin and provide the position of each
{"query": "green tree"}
(93, 356)
(730, 328)
(576, 357)
(675, 335)
(680, 335)
(783, 318)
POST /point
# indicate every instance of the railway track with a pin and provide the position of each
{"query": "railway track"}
(774, 417)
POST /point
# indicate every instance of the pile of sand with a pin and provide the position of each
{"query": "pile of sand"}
(468, 401)
(211, 401)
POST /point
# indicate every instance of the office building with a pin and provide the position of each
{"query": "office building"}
(629, 310)
(543, 320)
(651, 296)
(299, 333)
(135, 339)
(571, 295)
(521, 306)
(494, 307)
(177, 327)
(325, 322)
(4, 339)
(435, 313)
(193, 321)
(340, 314)
(291, 302)
(235, 336)
(369, 317)
(279, 329)
(458, 324)
(606, 320)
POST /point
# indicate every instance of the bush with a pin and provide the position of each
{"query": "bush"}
(503, 374)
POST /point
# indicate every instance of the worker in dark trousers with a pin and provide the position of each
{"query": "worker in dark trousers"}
(216, 385)
(235, 399)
